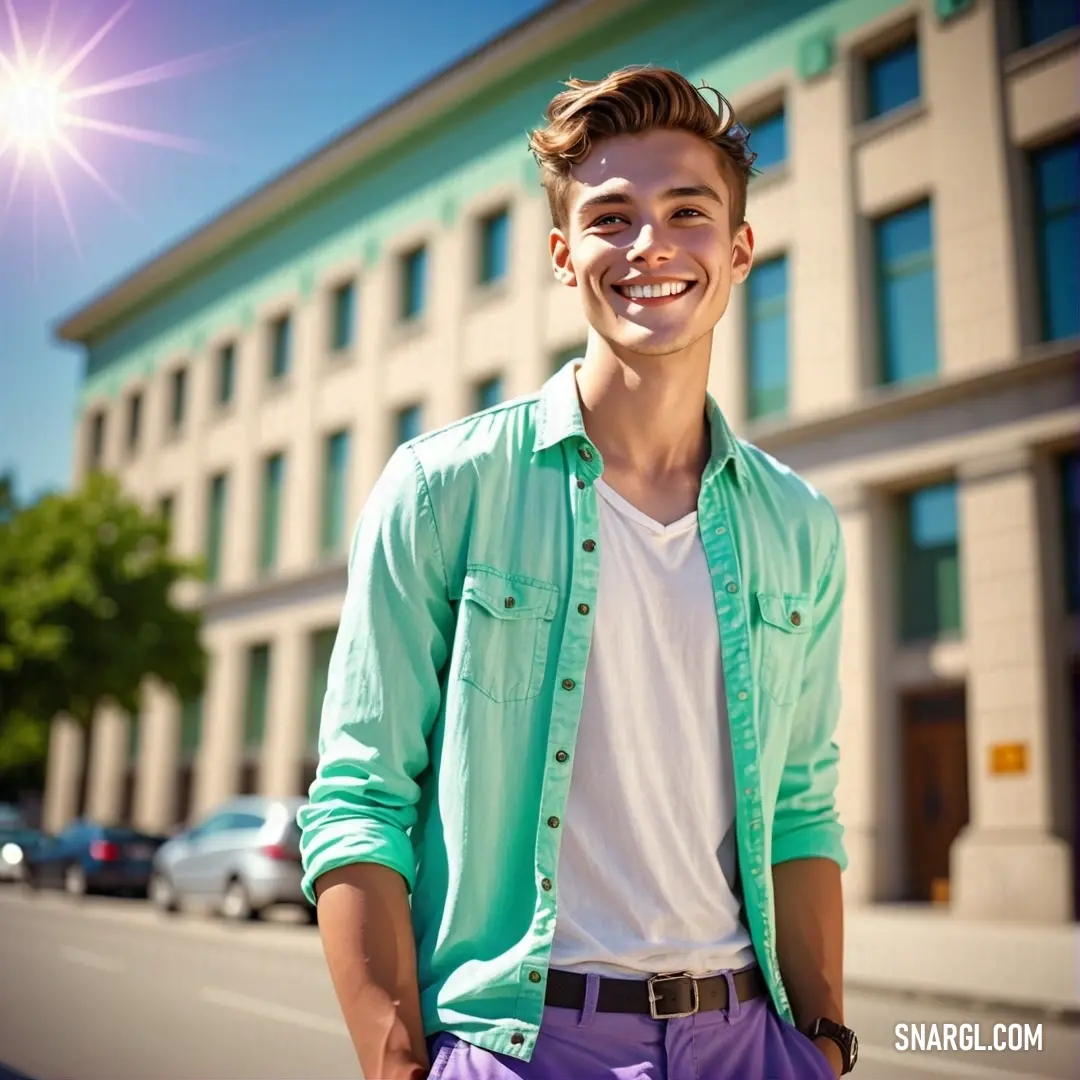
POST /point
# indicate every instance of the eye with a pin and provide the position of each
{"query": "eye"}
(608, 219)
(689, 210)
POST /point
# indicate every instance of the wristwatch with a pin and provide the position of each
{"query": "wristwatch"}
(844, 1037)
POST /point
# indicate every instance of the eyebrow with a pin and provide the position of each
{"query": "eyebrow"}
(618, 198)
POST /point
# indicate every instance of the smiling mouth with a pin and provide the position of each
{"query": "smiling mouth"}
(654, 295)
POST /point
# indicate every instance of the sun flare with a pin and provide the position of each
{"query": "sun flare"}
(40, 108)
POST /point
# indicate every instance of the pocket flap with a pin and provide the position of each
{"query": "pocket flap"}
(507, 596)
(786, 611)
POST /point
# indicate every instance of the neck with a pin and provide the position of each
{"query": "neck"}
(646, 414)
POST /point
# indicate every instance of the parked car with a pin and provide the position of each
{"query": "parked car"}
(16, 843)
(90, 858)
(11, 817)
(242, 859)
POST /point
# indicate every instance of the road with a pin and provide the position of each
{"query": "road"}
(110, 990)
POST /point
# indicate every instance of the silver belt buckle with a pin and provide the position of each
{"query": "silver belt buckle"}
(674, 976)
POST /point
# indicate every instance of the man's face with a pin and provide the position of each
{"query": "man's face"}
(648, 242)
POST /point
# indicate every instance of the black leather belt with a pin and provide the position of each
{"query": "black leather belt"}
(663, 997)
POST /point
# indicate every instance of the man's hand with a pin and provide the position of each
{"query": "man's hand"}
(385, 1048)
(832, 1054)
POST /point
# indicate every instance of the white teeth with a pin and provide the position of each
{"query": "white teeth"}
(645, 292)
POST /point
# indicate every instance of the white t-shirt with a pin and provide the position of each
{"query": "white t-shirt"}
(648, 855)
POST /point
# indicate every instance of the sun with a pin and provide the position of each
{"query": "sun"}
(31, 109)
(41, 107)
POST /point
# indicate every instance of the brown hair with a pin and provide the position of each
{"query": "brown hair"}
(631, 101)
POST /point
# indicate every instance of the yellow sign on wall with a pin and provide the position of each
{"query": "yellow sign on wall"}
(1008, 758)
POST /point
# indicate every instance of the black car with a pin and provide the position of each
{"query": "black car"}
(91, 858)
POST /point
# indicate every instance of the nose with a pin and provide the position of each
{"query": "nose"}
(650, 246)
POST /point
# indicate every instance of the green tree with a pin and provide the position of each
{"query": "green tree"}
(88, 611)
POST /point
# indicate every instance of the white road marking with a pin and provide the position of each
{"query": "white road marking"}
(89, 959)
(940, 1066)
(213, 996)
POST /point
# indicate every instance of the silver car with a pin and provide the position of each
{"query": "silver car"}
(240, 860)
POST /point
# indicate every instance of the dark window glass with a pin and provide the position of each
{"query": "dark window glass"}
(930, 603)
(892, 79)
(1056, 185)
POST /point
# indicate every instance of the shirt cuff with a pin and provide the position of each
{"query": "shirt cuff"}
(355, 841)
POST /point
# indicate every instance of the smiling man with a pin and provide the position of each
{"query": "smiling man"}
(582, 702)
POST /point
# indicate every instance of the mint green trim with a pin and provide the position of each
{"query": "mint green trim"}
(473, 148)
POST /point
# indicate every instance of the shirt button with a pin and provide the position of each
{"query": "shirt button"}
(743, 695)
(553, 822)
(561, 756)
(796, 618)
(580, 484)
(508, 602)
(721, 531)
(585, 454)
(589, 545)
(732, 587)
(568, 684)
(545, 884)
(517, 1038)
(534, 976)
(583, 609)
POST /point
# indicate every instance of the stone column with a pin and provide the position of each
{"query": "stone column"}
(110, 739)
(218, 763)
(867, 783)
(67, 746)
(283, 749)
(1007, 864)
(159, 759)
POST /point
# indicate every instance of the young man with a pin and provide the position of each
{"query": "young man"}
(589, 658)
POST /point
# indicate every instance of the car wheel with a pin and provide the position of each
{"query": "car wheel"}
(162, 894)
(75, 880)
(236, 904)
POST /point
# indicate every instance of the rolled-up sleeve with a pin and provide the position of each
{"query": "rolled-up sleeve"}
(383, 689)
(806, 824)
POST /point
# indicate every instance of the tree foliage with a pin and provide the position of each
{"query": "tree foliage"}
(87, 607)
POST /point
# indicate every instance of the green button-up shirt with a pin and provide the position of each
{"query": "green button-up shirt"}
(455, 688)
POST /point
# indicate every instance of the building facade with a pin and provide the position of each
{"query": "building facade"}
(907, 341)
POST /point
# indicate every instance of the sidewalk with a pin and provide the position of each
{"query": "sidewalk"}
(923, 949)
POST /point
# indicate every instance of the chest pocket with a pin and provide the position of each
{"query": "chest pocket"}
(505, 630)
(786, 622)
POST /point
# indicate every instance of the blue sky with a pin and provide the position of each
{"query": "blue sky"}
(282, 78)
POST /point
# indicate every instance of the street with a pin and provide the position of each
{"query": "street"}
(107, 990)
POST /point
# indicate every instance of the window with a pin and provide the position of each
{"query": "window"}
(930, 564)
(413, 283)
(191, 715)
(258, 696)
(166, 507)
(408, 424)
(907, 305)
(134, 733)
(270, 521)
(335, 478)
(768, 139)
(226, 373)
(280, 347)
(322, 646)
(177, 398)
(134, 430)
(489, 393)
(563, 357)
(1070, 513)
(97, 440)
(215, 526)
(1041, 20)
(892, 79)
(767, 339)
(494, 247)
(1056, 185)
(343, 315)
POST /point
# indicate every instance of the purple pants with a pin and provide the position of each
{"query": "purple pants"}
(748, 1041)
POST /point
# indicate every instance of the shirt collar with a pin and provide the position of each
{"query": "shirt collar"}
(558, 418)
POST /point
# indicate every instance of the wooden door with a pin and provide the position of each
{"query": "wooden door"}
(935, 788)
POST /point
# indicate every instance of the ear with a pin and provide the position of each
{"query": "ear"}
(561, 262)
(742, 253)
